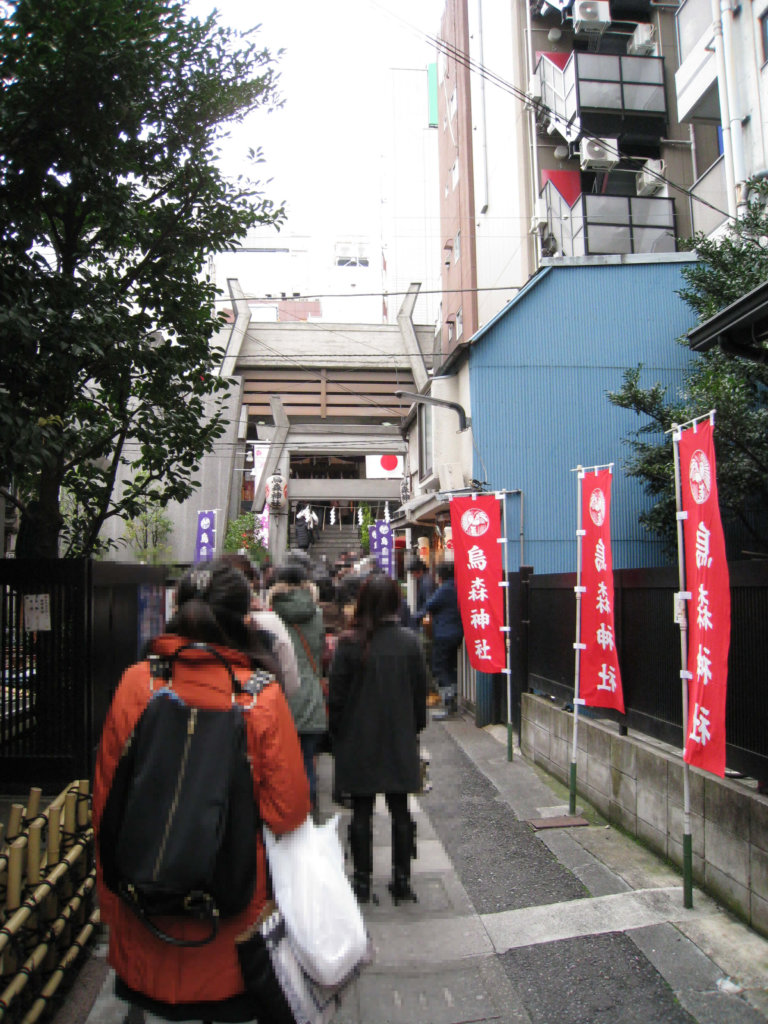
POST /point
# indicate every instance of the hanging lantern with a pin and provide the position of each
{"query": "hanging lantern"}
(386, 511)
(276, 492)
(448, 538)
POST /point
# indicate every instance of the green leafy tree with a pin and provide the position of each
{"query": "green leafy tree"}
(110, 202)
(149, 534)
(244, 533)
(727, 268)
(367, 520)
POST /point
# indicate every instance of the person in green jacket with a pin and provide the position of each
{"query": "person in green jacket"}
(294, 598)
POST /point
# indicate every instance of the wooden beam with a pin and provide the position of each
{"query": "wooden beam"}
(354, 412)
(282, 426)
(324, 389)
(345, 376)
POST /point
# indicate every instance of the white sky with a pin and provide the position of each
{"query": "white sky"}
(323, 149)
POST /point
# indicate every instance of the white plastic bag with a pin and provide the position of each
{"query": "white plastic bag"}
(310, 1003)
(311, 889)
(268, 963)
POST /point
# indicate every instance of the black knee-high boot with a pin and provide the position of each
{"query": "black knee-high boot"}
(403, 848)
(361, 842)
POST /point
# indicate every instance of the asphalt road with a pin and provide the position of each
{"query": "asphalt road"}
(503, 865)
(516, 924)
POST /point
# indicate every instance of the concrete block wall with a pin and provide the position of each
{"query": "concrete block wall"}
(639, 787)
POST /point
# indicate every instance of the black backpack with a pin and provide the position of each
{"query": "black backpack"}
(178, 833)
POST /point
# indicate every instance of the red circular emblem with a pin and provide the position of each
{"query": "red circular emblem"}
(475, 522)
(700, 477)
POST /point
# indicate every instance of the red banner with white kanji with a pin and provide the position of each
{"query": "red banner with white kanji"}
(476, 527)
(599, 676)
(709, 606)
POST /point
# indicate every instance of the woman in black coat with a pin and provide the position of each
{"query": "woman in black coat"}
(377, 707)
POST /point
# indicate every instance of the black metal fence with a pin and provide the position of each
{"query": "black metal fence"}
(648, 642)
(68, 629)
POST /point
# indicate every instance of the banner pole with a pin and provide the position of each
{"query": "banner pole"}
(577, 648)
(681, 615)
(510, 728)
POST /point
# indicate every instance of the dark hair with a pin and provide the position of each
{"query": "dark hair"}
(445, 571)
(325, 589)
(213, 602)
(379, 598)
(298, 557)
(416, 565)
(292, 573)
(241, 562)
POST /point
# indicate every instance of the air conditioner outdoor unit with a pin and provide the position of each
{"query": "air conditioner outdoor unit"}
(641, 43)
(539, 218)
(591, 17)
(598, 154)
(648, 180)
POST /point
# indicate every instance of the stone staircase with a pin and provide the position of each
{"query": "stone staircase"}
(333, 541)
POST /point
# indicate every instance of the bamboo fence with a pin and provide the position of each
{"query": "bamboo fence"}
(47, 896)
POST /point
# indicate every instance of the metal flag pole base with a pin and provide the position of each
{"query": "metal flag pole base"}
(572, 800)
(510, 741)
(687, 870)
(575, 747)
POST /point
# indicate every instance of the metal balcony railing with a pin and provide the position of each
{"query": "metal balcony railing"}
(603, 94)
(602, 225)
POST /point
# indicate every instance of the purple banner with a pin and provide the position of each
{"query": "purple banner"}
(205, 543)
(373, 538)
(386, 545)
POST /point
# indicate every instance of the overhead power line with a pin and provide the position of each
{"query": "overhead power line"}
(462, 58)
(304, 297)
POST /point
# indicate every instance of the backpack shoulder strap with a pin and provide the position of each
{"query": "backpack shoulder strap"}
(305, 645)
(161, 667)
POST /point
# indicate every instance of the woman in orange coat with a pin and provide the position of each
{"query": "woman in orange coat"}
(203, 982)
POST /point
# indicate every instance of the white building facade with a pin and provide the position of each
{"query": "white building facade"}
(578, 129)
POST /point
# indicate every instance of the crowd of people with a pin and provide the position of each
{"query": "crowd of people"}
(349, 656)
(308, 605)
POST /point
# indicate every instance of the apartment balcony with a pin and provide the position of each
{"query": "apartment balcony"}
(589, 224)
(696, 77)
(608, 95)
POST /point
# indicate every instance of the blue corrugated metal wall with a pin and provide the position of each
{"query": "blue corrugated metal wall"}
(539, 374)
